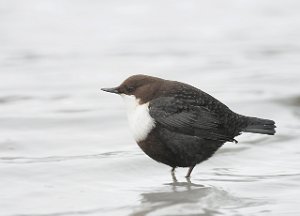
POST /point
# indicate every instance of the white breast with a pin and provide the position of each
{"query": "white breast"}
(140, 121)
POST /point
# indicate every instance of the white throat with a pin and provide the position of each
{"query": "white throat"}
(140, 121)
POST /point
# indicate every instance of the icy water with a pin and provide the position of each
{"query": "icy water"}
(65, 147)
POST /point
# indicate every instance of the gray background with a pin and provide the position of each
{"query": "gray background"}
(65, 147)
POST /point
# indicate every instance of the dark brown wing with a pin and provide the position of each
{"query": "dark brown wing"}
(191, 119)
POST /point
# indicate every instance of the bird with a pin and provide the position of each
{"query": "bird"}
(178, 124)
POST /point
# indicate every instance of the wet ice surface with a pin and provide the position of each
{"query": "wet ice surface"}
(65, 147)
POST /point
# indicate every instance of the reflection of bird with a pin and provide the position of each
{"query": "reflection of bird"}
(187, 198)
(179, 194)
(178, 124)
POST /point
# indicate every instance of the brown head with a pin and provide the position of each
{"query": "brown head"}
(144, 88)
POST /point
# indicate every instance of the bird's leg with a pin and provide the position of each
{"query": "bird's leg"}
(173, 174)
(188, 175)
(174, 177)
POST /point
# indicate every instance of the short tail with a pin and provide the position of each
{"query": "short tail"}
(258, 125)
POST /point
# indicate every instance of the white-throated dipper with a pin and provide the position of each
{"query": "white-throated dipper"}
(179, 125)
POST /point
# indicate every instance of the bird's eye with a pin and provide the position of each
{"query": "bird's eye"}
(129, 89)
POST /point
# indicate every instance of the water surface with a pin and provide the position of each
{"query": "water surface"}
(65, 147)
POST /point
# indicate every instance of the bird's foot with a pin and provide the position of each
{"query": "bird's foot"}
(188, 175)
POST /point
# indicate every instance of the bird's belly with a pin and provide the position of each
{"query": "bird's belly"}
(157, 150)
(177, 150)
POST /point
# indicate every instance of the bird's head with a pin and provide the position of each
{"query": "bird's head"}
(140, 87)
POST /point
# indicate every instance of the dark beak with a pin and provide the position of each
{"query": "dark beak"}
(111, 90)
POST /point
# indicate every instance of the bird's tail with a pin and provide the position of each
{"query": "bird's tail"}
(259, 125)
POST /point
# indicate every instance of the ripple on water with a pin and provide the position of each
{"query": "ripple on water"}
(289, 101)
(53, 159)
(8, 99)
(14, 98)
